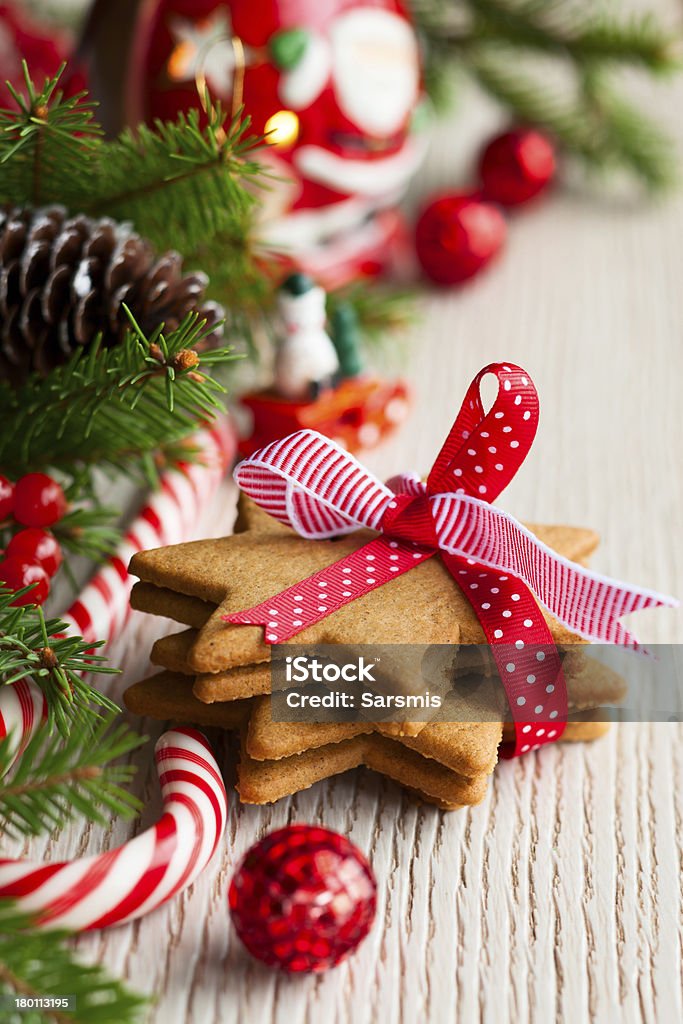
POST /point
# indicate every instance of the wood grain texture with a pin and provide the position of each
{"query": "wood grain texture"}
(559, 898)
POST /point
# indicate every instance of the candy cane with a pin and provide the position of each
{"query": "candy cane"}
(22, 710)
(136, 878)
(102, 609)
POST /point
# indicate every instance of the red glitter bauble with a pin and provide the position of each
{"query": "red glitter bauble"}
(516, 166)
(457, 236)
(303, 898)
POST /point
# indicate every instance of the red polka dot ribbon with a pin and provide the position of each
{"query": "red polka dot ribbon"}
(309, 483)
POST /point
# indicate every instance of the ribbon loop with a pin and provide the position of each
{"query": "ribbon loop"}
(484, 450)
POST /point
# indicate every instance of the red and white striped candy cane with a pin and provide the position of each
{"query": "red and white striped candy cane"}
(22, 709)
(102, 608)
(136, 878)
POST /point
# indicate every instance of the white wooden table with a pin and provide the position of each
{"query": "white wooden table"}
(559, 897)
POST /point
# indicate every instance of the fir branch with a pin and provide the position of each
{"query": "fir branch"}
(596, 125)
(120, 403)
(629, 137)
(32, 647)
(567, 30)
(497, 41)
(36, 964)
(149, 176)
(58, 778)
(45, 144)
(88, 531)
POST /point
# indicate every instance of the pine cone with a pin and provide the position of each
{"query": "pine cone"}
(64, 280)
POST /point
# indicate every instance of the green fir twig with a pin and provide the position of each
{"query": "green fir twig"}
(119, 403)
(33, 647)
(35, 965)
(58, 778)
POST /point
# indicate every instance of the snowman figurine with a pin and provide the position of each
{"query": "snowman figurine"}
(306, 360)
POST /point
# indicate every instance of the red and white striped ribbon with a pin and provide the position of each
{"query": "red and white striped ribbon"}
(123, 884)
(102, 609)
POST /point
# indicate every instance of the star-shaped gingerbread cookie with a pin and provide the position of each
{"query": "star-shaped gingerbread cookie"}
(424, 606)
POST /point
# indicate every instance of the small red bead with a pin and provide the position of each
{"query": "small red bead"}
(38, 500)
(516, 166)
(303, 898)
(34, 545)
(16, 573)
(457, 236)
(6, 498)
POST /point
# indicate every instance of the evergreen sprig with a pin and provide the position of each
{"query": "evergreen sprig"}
(35, 964)
(32, 647)
(86, 531)
(57, 778)
(188, 184)
(46, 142)
(119, 403)
(505, 45)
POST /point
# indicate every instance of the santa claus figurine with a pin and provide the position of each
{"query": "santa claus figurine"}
(306, 360)
(332, 84)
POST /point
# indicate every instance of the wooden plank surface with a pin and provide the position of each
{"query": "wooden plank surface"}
(559, 897)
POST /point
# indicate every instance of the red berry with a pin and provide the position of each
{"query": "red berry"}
(39, 546)
(303, 898)
(457, 236)
(17, 573)
(517, 166)
(6, 498)
(38, 500)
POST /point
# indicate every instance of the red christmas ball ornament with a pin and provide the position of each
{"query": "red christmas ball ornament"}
(517, 166)
(38, 500)
(303, 898)
(6, 498)
(39, 546)
(457, 236)
(17, 573)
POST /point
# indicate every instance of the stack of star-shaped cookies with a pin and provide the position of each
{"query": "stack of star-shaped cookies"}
(218, 674)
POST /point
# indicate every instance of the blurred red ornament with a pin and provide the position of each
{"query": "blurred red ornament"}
(517, 166)
(332, 85)
(38, 500)
(16, 573)
(303, 898)
(22, 38)
(35, 545)
(458, 235)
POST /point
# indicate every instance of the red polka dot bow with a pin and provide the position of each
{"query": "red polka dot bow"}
(309, 483)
